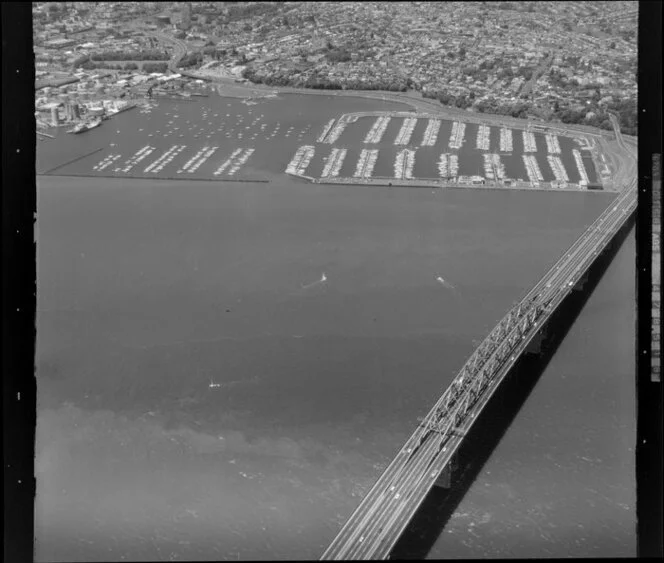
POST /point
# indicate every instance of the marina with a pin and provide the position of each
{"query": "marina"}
(377, 131)
(453, 165)
(529, 144)
(201, 160)
(300, 160)
(106, 162)
(326, 130)
(134, 159)
(406, 131)
(499, 167)
(157, 165)
(443, 166)
(488, 167)
(337, 130)
(552, 144)
(581, 168)
(558, 169)
(185, 140)
(403, 164)
(482, 141)
(532, 169)
(240, 160)
(224, 165)
(366, 163)
(334, 162)
(457, 135)
(506, 140)
(198, 155)
(431, 133)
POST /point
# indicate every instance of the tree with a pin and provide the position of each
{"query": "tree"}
(80, 60)
(606, 124)
(445, 99)
(155, 67)
(571, 116)
(338, 56)
(519, 110)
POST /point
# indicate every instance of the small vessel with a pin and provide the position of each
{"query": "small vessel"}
(86, 126)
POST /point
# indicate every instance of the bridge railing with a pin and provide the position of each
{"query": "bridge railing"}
(476, 374)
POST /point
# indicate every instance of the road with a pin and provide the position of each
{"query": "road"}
(528, 86)
(180, 46)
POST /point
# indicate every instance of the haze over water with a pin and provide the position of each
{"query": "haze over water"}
(206, 393)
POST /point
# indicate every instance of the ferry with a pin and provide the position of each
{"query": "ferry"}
(86, 126)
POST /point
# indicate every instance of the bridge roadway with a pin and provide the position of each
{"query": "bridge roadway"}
(374, 528)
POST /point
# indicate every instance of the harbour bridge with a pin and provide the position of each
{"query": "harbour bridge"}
(428, 456)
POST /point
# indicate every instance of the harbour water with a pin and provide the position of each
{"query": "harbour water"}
(225, 368)
(194, 140)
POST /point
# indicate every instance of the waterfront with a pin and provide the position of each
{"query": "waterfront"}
(203, 395)
(200, 140)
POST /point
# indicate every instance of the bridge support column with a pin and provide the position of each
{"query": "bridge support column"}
(444, 480)
(535, 345)
(578, 286)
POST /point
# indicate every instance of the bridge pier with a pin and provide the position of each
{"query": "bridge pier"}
(535, 345)
(581, 282)
(444, 480)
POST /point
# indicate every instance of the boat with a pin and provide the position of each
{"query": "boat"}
(86, 126)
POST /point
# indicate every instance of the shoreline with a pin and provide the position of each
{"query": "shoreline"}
(425, 104)
(414, 108)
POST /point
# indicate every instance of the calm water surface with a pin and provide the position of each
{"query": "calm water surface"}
(202, 394)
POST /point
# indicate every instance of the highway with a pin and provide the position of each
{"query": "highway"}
(180, 46)
(180, 49)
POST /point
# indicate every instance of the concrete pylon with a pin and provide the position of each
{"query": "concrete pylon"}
(445, 479)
